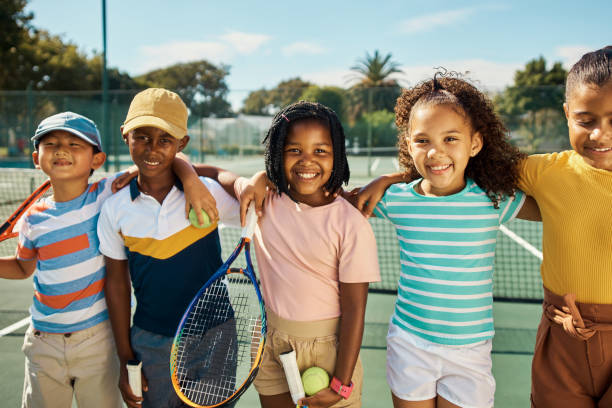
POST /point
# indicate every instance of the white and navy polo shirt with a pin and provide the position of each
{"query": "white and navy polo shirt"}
(168, 258)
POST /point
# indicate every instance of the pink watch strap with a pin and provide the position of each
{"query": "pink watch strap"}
(343, 390)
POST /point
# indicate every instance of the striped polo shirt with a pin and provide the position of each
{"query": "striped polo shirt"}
(447, 253)
(70, 272)
(168, 258)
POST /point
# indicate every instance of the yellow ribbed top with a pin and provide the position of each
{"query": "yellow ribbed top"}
(575, 200)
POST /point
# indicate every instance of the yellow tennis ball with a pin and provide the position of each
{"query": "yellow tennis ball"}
(314, 380)
(193, 218)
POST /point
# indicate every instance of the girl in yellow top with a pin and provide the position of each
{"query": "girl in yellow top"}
(572, 365)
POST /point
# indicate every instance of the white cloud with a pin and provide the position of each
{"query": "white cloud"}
(220, 50)
(163, 55)
(245, 43)
(572, 53)
(487, 75)
(339, 77)
(429, 21)
(302, 48)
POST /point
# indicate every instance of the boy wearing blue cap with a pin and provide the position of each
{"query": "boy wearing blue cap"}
(69, 346)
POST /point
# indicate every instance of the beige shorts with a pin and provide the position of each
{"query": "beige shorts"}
(82, 364)
(315, 344)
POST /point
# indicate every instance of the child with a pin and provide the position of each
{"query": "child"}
(58, 243)
(572, 364)
(145, 237)
(316, 256)
(462, 175)
(68, 347)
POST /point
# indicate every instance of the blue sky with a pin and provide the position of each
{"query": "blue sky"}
(269, 41)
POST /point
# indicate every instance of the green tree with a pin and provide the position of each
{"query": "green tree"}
(330, 96)
(376, 89)
(201, 85)
(15, 25)
(375, 70)
(532, 106)
(266, 102)
(382, 125)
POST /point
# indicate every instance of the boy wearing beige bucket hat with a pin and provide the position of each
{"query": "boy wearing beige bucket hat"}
(150, 245)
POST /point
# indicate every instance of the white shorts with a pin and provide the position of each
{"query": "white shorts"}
(419, 370)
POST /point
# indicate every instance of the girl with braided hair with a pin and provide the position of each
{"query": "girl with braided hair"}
(316, 255)
(459, 186)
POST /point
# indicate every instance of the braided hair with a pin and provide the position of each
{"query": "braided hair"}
(495, 167)
(282, 125)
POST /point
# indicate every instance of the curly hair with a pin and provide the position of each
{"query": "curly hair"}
(495, 167)
(281, 126)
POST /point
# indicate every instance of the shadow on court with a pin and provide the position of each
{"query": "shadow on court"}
(515, 323)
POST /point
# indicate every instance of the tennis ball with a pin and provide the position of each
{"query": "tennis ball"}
(314, 380)
(193, 218)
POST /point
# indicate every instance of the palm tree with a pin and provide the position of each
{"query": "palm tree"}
(375, 90)
(374, 70)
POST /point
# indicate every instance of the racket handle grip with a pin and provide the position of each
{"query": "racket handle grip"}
(251, 222)
(134, 378)
(292, 373)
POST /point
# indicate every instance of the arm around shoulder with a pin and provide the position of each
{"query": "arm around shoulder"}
(530, 210)
(13, 268)
(373, 192)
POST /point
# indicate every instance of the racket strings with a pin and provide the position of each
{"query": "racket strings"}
(219, 342)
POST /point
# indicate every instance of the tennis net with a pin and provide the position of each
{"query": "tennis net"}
(517, 258)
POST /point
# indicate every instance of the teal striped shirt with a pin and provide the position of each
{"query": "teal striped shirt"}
(447, 253)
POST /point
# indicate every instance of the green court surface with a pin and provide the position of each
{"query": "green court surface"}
(515, 324)
(516, 276)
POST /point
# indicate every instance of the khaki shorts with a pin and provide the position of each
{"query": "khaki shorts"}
(315, 344)
(82, 364)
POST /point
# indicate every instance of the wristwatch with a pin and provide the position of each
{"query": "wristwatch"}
(343, 390)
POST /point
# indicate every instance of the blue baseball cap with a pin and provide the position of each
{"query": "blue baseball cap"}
(71, 122)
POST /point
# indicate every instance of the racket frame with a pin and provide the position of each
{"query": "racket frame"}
(6, 230)
(225, 269)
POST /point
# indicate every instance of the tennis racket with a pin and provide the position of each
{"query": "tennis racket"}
(219, 343)
(6, 230)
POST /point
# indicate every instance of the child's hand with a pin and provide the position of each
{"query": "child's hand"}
(256, 192)
(322, 399)
(124, 178)
(199, 198)
(371, 194)
(128, 396)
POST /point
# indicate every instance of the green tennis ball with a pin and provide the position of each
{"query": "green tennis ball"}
(193, 218)
(314, 380)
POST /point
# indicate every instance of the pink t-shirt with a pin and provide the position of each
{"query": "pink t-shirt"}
(304, 252)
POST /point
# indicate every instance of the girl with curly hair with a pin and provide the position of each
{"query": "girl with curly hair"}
(459, 186)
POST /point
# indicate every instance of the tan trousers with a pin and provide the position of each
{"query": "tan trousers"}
(82, 364)
(572, 364)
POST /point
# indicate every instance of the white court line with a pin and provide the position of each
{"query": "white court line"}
(375, 165)
(15, 326)
(533, 250)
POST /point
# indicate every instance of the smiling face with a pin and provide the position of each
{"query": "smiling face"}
(65, 157)
(441, 142)
(153, 150)
(589, 119)
(308, 161)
